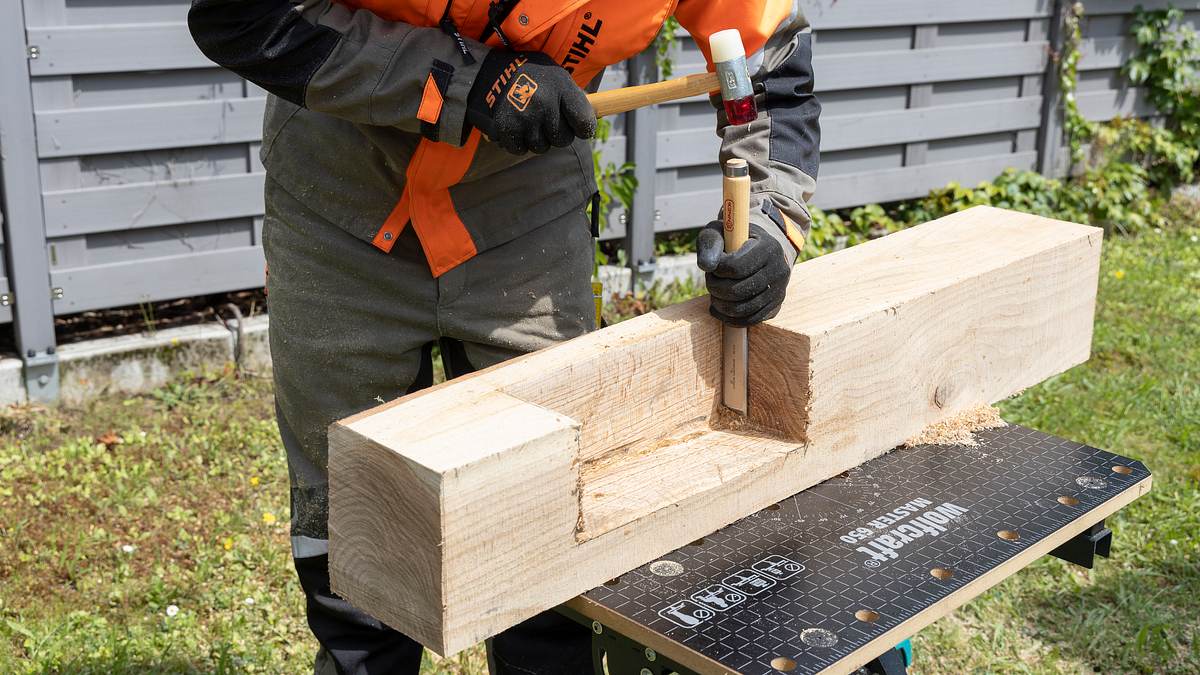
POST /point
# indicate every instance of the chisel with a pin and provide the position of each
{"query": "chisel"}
(735, 347)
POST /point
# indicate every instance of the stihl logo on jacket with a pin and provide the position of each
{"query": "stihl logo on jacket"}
(583, 43)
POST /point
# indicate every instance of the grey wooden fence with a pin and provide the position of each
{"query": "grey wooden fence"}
(130, 167)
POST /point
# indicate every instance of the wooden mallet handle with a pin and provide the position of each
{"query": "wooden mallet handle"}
(616, 101)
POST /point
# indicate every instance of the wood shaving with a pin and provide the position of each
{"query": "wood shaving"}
(958, 429)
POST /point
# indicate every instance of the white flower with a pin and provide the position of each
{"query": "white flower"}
(128, 548)
(172, 610)
(1195, 239)
(1174, 542)
(249, 601)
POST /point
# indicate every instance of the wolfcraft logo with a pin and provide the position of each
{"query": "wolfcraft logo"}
(885, 537)
(502, 81)
(584, 39)
(522, 90)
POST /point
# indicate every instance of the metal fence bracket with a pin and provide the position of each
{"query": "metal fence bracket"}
(41, 376)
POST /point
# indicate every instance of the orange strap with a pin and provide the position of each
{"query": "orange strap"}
(426, 202)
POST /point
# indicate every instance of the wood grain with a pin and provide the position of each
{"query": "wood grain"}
(462, 510)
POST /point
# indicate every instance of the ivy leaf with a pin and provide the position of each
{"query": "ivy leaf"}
(1137, 71)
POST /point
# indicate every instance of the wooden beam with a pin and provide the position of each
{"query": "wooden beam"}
(461, 510)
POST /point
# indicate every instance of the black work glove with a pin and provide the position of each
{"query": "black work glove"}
(748, 285)
(526, 102)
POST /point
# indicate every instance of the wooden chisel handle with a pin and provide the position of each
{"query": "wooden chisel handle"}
(616, 101)
(735, 343)
(735, 190)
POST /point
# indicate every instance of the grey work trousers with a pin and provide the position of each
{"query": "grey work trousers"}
(352, 327)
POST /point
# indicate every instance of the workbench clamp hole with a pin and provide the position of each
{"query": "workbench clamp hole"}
(1008, 535)
(941, 573)
(783, 664)
(1067, 501)
(1122, 469)
(867, 615)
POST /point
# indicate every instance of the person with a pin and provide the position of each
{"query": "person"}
(427, 178)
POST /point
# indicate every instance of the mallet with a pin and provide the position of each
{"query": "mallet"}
(732, 78)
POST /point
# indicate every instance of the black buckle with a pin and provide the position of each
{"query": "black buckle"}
(596, 216)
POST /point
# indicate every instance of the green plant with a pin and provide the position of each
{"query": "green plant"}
(667, 38)
(1076, 128)
(643, 300)
(146, 309)
(675, 243)
(612, 182)
(1165, 61)
(1114, 195)
(1167, 158)
(1165, 64)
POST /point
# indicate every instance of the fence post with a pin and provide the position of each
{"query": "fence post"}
(24, 222)
(1050, 140)
(641, 143)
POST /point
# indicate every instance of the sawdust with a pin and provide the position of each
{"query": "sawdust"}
(958, 429)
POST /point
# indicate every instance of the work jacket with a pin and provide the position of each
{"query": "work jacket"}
(365, 124)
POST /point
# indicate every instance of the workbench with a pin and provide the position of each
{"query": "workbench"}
(831, 579)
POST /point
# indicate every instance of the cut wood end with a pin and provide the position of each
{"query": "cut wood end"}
(959, 429)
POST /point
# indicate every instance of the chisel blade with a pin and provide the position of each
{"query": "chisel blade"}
(735, 358)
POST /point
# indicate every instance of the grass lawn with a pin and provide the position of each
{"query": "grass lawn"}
(150, 533)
